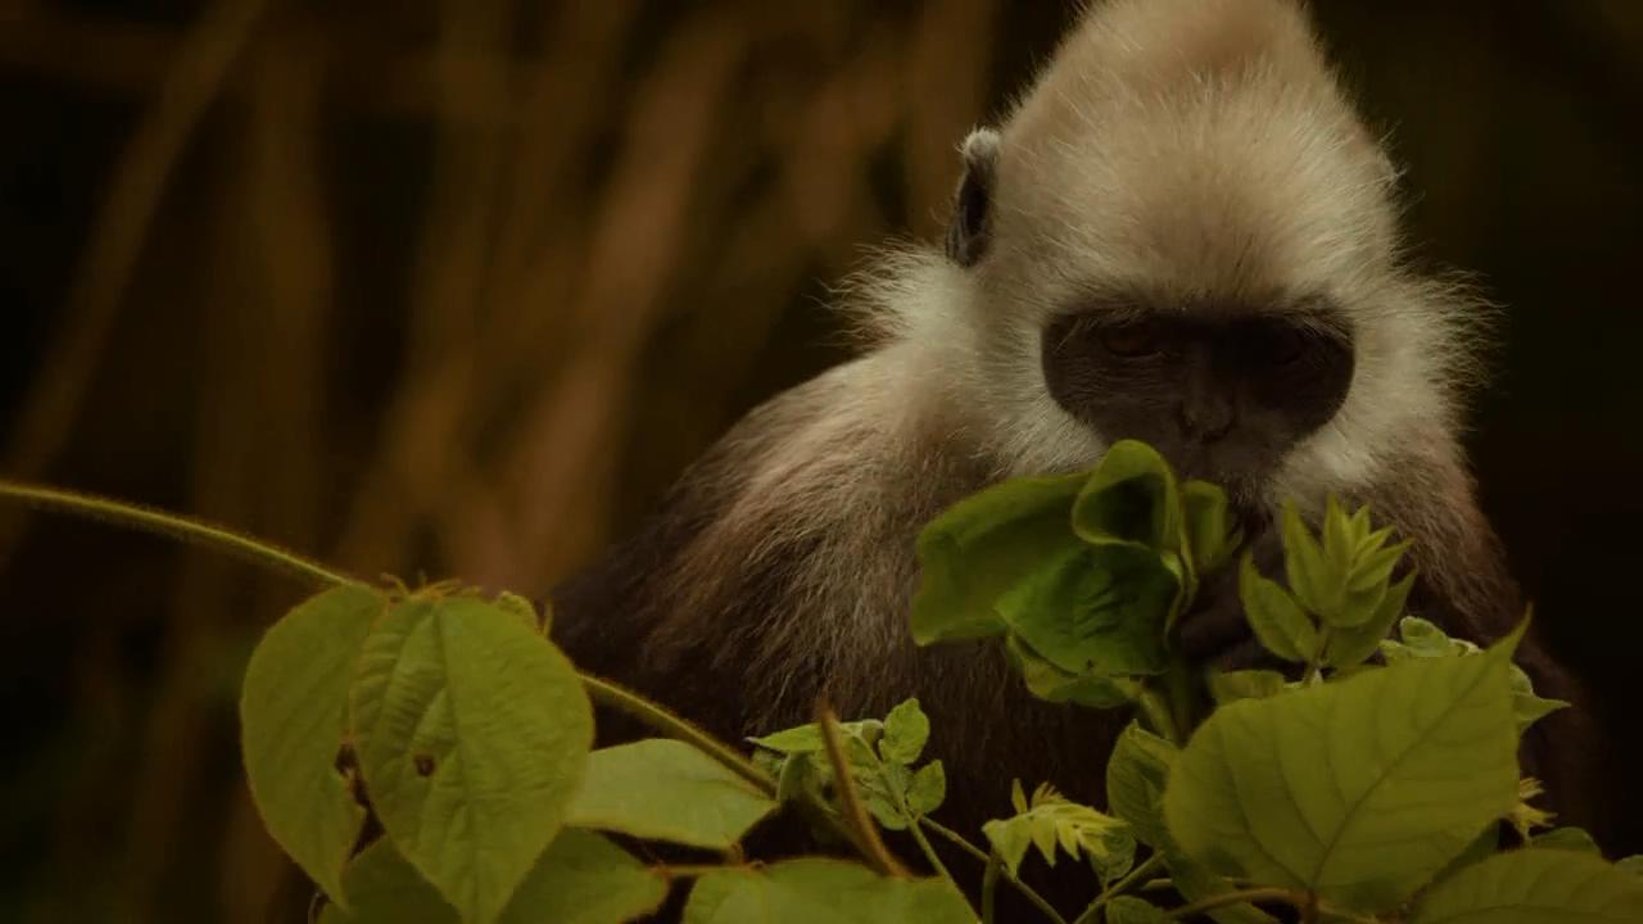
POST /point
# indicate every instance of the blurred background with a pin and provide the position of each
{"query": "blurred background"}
(457, 287)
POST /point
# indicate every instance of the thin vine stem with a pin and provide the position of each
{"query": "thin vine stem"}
(961, 842)
(864, 834)
(1287, 896)
(620, 698)
(1147, 868)
(176, 526)
(929, 852)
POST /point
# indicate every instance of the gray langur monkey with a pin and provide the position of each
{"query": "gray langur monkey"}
(1183, 233)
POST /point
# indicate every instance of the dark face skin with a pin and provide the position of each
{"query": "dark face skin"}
(1224, 395)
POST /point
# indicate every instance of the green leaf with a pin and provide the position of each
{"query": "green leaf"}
(1296, 791)
(1481, 848)
(581, 878)
(1631, 866)
(906, 729)
(984, 545)
(928, 789)
(1099, 610)
(1534, 887)
(1340, 537)
(1052, 684)
(1312, 578)
(522, 608)
(1212, 537)
(1528, 707)
(1423, 639)
(1196, 883)
(1231, 686)
(1279, 623)
(807, 739)
(1350, 646)
(1136, 773)
(820, 891)
(472, 733)
(293, 718)
(1131, 498)
(666, 790)
(1051, 820)
(1567, 838)
(1127, 909)
(883, 789)
(1374, 568)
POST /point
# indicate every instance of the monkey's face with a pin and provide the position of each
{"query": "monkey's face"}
(1224, 395)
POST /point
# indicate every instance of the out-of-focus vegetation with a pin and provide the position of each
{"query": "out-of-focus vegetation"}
(458, 286)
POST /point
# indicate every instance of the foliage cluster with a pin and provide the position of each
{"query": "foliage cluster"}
(427, 754)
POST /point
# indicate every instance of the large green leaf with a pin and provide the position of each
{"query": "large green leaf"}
(1197, 883)
(982, 546)
(1136, 773)
(1534, 887)
(1052, 684)
(1130, 497)
(1360, 790)
(581, 878)
(666, 790)
(1231, 686)
(819, 891)
(472, 733)
(293, 718)
(1096, 609)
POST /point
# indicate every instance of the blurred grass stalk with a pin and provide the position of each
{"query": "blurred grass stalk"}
(597, 227)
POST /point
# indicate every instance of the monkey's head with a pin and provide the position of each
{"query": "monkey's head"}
(1184, 234)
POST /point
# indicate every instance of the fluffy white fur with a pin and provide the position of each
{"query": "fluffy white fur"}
(1200, 151)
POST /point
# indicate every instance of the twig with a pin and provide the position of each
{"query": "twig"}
(864, 834)
(159, 522)
(961, 842)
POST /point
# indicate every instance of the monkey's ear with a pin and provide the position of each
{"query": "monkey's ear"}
(970, 231)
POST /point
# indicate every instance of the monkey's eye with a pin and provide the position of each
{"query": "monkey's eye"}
(1280, 346)
(1132, 340)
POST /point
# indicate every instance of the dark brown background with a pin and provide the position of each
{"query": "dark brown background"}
(458, 287)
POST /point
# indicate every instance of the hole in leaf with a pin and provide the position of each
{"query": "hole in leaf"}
(424, 764)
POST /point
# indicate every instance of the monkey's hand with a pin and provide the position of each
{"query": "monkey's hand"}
(1214, 633)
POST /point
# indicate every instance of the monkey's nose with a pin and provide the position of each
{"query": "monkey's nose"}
(1206, 417)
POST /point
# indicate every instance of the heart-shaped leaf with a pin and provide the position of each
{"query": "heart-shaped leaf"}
(293, 719)
(472, 733)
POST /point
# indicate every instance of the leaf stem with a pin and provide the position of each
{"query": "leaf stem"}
(989, 887)
(159, 522)
(864, 834)
(1147, 868)
(1287, 896)
(930, 852)
(622, 699)
(960, 841)
(1157, 711)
